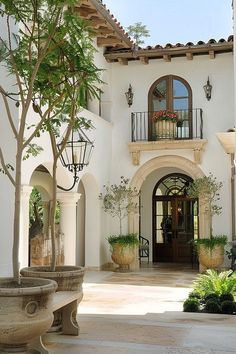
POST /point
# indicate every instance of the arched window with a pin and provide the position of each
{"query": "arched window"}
(173, 93)
(175, 184)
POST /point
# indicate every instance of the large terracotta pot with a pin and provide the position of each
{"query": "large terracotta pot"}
(165, 129)
(123, 256)
(210, 258)
(68, 278)
(25, 312)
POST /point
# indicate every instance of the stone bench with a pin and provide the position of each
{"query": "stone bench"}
(67, 301)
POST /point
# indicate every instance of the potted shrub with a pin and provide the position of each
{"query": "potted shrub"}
(45, 50)
(165, 124)
(123, 250)
(210, 249)
(118, 201)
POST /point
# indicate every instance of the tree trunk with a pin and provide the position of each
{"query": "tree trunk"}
(15, 249)
(52, 215)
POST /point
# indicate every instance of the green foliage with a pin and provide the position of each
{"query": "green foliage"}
(232, 256)
(211, 296)
(228, 307)
(226, 297)
(137, 31)
(212, 306)
(195, 295)
(212, 242)
(8, 167)
(214, 282)
(119, 200)
(35, 206)
(214, 291)
(207, 188)
(36, 212)
(32, 150)
(191, 305)
(124, 240)
(50, 58)
(53, 57)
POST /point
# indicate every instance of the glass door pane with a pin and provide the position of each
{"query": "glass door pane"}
(159, 96)
(163, 221)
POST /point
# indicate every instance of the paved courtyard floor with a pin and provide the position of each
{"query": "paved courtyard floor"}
(141, 313)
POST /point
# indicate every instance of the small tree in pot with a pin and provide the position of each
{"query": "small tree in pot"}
(119, 200)
(46, 60)
(210, 249)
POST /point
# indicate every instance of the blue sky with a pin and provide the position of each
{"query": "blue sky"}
(173, 21)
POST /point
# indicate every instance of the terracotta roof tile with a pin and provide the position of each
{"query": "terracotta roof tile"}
(212, 40)
(189, 44)
(200, 43)
(115, 20)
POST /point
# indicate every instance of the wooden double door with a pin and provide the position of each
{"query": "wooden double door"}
(175, 224)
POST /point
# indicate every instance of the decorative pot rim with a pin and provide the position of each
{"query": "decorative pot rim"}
(29, 286)
(60, 271)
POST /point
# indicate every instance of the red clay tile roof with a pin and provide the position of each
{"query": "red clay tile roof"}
(211, 48)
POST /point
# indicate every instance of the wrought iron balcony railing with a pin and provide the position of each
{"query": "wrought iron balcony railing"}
(189, 126)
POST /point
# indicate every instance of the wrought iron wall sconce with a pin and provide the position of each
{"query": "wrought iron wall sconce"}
(129, 95)
(208, 89)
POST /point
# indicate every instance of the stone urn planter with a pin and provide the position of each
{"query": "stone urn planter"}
(210, 251)
(210, 258)
(123, 250)
(123, 256)
(68, 278)
(25, 312)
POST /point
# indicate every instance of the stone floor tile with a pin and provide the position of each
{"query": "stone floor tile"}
(141, 313)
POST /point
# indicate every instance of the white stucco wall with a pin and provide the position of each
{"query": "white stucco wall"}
(93, 177)
(217, 115)
(111, 136)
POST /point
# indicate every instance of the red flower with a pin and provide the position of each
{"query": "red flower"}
(165, 115)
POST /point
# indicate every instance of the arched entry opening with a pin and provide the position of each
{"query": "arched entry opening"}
(39, 229)
(145, 180)
(174, 219)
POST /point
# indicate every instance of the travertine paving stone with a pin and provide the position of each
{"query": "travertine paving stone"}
(141, 313)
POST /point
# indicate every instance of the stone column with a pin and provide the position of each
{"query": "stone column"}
(205, 219)
(68, 202)
(24, 226)
(133, 226)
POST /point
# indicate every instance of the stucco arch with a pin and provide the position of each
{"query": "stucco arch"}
(169, 161)
(188, 167)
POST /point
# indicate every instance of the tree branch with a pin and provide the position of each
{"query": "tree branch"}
(5, 168)
(9, 115)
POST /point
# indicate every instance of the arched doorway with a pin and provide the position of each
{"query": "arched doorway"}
(174, 219)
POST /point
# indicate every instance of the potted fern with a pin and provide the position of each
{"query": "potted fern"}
(118, 201)
(210, 249)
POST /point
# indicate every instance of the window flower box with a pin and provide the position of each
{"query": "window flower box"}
(165, 124)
